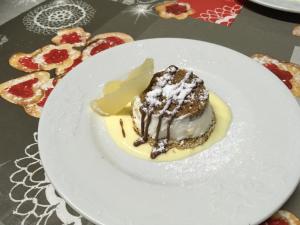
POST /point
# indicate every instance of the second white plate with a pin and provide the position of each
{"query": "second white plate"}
(284, 5)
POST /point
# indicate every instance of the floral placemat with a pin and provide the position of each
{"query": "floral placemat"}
(40, 47)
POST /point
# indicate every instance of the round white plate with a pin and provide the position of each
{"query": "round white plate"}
(284, 5)
(238, 181)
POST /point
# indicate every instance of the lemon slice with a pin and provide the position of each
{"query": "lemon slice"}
(115, 84)
(117, 94)
(111, 86)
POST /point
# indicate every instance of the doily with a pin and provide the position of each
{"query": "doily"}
(35, 196)
(224, 15)
(49, 18)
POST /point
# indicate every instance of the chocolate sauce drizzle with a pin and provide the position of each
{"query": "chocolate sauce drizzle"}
(122, 128)
(184, 88)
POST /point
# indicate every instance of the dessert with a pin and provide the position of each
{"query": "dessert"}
(288, 73)
(168, 112)
(115, 130)
(173, 111)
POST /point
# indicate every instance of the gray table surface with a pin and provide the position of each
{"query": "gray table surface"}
(9, 9)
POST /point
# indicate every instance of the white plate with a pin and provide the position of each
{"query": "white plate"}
(238, 181)
(284, 5)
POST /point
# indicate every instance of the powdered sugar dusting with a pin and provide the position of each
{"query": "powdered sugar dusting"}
(161, 146)
(172, 93)
(204, 97)
(152, 97)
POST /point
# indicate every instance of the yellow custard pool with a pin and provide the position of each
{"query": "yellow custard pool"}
(127, 136)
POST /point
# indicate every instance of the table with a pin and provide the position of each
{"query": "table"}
(34, 201)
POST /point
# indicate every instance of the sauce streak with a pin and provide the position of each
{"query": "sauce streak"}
(138, 142)
(122, 127)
